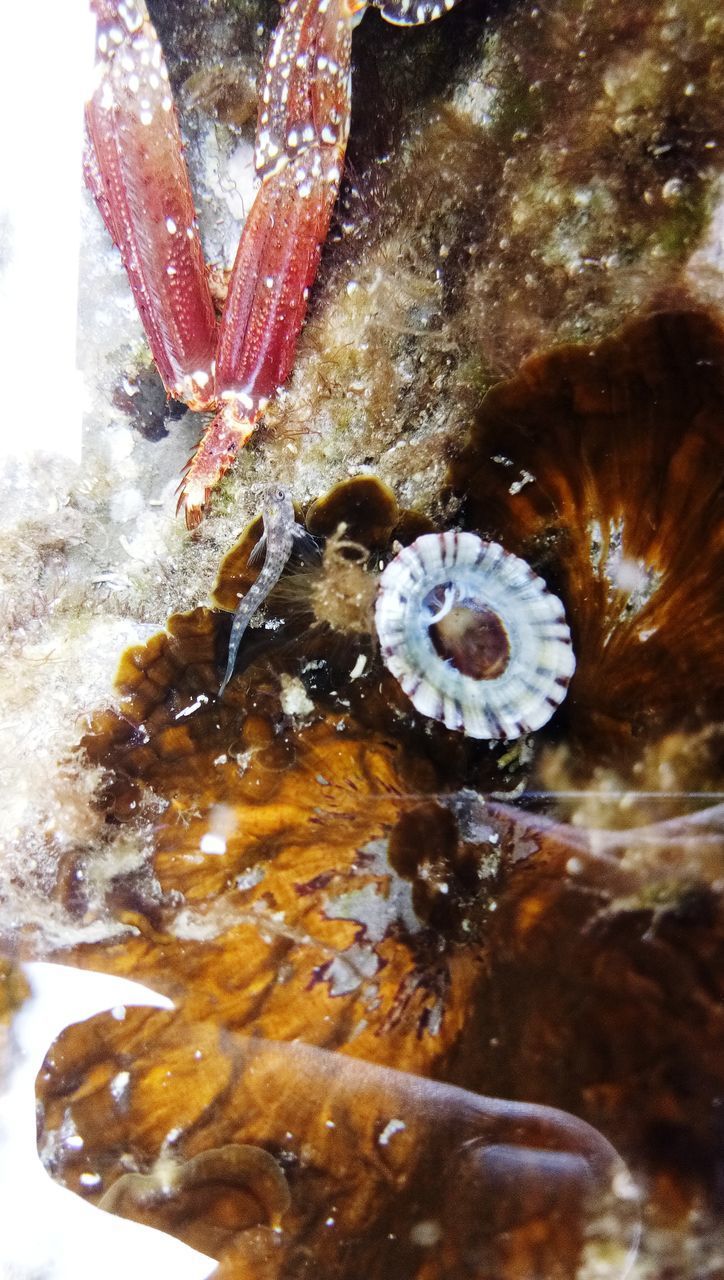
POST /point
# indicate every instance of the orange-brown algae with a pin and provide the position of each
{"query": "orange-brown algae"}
(269, 930)
(425, 848)
(373, 1159)
(315, 882)
(336, 872)
(364, 505)
(208, 1199)
(600, 465)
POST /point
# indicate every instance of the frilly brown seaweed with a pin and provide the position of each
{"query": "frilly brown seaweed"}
(304, 1160)
(325, 868)
(602, 467)
(314, 885)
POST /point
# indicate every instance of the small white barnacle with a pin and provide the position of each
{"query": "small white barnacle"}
(473, 636)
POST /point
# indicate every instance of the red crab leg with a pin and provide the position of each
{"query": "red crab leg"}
(135, 169)
(300, 144)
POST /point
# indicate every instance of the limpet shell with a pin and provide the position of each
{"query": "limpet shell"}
(474, 637)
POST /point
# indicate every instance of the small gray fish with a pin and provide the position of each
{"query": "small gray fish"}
(281, 532)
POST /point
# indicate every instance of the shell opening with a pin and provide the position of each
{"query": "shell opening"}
(470, 636)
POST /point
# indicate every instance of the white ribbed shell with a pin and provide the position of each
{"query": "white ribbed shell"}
(540, 664)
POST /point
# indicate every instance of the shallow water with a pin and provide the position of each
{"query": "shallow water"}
(441, 1006)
